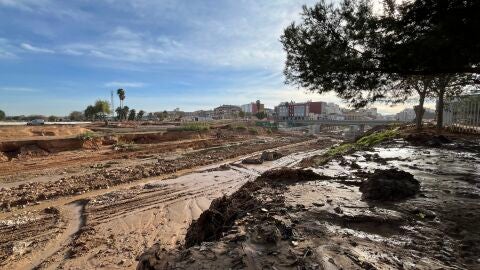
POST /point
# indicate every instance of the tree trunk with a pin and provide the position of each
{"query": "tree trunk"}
(440, 106)
(420, 111)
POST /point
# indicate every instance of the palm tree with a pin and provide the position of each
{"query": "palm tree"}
(121, 96)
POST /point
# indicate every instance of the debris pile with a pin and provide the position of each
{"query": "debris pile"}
(427, 139)
(221, 215)
(389, 185)
(271, 155)
(289, 175)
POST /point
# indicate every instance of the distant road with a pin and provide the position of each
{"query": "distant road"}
(46, 123)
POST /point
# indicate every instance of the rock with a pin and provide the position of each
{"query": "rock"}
(389, 185)
(252, 161)
(20, 247)
(355, 166)
(3, 157)
(266, 234)
(338, 210)
(270, 156)
(289, 175)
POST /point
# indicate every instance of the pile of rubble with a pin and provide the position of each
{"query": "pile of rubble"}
(266, 156)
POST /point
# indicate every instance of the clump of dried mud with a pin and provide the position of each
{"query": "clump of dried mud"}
(428, 139)
(221, 215)
(224, 211)
(389, 185)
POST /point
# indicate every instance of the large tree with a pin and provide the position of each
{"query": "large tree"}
(140, 115)
(132, 114)
(76, 116)
(2, 115)
(364, 56)
(102, 108)
(121, 97)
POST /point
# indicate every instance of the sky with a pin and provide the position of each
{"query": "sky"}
(57, 56)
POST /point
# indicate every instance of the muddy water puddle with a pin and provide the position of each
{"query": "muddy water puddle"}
(439, 228)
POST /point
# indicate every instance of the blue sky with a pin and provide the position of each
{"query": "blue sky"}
(57, 56)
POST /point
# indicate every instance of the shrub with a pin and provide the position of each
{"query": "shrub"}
(194, 127)
(87, 136)
(253, 131)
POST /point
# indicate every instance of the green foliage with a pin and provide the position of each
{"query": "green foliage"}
(2, 115)
(363, 143)
(261, 115)
(194, 127)
(123, 147)
(140, 114)
(76, 116)
(132, 114)
(122, 112)
(87, 136)
(239, 127)
(361, 54)
(53, 118)
(97, 111)
(376, 138)
(252, 131)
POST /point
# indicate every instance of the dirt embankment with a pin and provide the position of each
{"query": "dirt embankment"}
(340, 221)
(32, 132)
(34, 192)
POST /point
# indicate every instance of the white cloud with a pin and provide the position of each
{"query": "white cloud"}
(125, 84)
(32, 48)
(18, 89)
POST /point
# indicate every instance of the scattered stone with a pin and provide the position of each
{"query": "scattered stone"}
(271, 156)
(252, 161)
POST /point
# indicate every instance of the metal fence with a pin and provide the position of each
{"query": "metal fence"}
(463, 114)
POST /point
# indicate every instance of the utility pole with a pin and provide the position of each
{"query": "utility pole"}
(113, 105)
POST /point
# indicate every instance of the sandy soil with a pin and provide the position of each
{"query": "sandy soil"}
(326, 223)
(26, 132)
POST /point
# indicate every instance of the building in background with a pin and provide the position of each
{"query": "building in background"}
(299, 111)
(407, 115)
(362, 114)
(253, 107)
(226, 112)
(198, 116)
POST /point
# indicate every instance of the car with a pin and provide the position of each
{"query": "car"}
(36, 122)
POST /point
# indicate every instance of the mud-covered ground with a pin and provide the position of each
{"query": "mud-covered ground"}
(103, 213)
(299, 221)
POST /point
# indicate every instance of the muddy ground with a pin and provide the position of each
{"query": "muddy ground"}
(100, 208)
(295, 220)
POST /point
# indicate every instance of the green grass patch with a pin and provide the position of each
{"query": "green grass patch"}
(87, 136)
(363, 143)
(193, 127)
(253, 131)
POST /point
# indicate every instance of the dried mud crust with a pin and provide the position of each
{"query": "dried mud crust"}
(104, 178)
(325, 224)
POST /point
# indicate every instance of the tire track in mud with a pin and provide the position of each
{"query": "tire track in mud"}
(167, 210)
(72, 213)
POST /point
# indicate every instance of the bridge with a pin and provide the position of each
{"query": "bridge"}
(341, 122)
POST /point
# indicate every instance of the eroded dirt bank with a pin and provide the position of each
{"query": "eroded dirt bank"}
(118, 222)
(324, 221)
